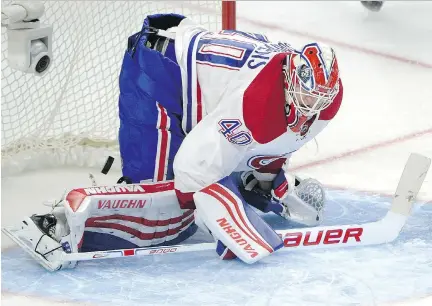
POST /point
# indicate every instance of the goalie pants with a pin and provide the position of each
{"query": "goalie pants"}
(150, 105)
(150, 134)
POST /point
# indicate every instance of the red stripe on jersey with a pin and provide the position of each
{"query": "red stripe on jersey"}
(264, 102)
(199, 102)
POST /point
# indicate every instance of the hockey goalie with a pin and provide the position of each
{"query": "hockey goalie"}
(208, 122)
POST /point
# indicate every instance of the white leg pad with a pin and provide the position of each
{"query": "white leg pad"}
(235, 224)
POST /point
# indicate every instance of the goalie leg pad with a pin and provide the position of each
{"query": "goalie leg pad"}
(221, 249)
(126, 216)
(232, 221)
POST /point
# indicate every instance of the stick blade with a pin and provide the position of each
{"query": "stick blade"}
(410, 183)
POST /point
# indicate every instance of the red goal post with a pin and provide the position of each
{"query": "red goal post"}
(228, 15)
(69, 116)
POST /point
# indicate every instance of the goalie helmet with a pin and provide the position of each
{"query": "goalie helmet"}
(311, 78)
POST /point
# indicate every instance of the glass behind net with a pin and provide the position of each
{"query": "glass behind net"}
(69, 116)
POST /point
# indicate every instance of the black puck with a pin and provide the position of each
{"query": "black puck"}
(108, 165)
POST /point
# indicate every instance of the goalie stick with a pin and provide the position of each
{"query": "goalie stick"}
(379, 232)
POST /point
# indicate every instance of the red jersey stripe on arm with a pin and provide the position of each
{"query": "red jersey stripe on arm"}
(264, 102)
(199, 103)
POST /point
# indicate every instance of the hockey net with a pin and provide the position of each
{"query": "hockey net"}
(69, 116)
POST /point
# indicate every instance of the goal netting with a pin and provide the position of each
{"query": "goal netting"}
(69, 116)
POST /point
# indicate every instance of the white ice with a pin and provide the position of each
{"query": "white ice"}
(385, 99)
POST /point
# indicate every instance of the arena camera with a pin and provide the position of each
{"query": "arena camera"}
(29, 41)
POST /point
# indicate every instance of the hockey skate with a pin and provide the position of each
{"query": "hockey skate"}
(41, 236)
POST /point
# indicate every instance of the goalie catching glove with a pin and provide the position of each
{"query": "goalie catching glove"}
(290, 197)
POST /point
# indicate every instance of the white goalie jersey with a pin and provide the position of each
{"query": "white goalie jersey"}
(235, 110)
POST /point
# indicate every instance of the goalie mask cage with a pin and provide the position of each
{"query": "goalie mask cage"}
(70, 115)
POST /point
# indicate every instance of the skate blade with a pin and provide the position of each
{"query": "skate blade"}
(29, 250)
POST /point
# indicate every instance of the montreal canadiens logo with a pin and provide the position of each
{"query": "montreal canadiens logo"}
(261, 161)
